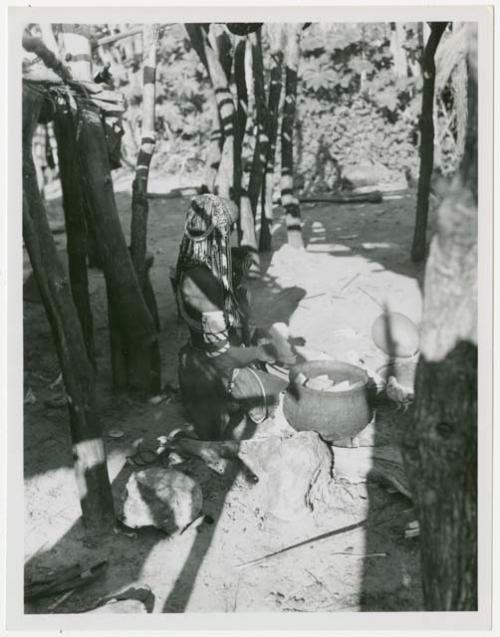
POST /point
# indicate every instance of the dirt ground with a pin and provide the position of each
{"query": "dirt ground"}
(356, 260)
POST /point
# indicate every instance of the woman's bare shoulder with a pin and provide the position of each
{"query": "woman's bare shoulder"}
(201, 289)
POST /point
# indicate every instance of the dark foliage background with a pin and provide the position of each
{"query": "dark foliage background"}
(354, 109)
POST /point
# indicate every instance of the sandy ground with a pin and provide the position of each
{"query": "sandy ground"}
(356, 260)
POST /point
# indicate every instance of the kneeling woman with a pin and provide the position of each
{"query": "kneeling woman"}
(223, 387)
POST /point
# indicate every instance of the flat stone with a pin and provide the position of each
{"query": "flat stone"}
(293, 472)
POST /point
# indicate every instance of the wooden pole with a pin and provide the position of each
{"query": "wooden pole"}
(398, 53)
(440, 444)
(140, 207)
(86, 435)
(240, 121)
(225, 104)
(129, 313)
(275, 32)
(138, 229)
(74, 44)
(74, 214)
(419, 245)
(262, 140)
(38, 47)
(246, 225)
(214, 153)
(133, 337)
(288, 199)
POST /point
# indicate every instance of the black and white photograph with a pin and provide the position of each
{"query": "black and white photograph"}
(250, 318)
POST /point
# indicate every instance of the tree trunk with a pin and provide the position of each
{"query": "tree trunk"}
(76, 228)
(86, 435)
(275, 87)
(440, 445)
(419, 246)
(289, 201)
(397, 50)
(129, 310)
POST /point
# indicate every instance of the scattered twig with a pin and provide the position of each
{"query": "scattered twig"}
(57, 382)
(61, 599)
(371, 297)
(323, 536)
(318, 581)
(362, 555)
(314, 296)
(67, 580)
(235, 603)
(30, 397)
(346, 285)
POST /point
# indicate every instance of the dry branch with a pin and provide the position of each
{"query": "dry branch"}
(289, 200)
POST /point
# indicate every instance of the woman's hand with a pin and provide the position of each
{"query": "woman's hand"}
(267, 353)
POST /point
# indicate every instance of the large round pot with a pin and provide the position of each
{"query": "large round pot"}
(334, 415)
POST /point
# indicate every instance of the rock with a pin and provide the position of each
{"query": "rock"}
(165, 498)
(132, 601)
(119, 606)
(292, 472)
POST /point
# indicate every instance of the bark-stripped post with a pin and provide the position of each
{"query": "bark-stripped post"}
(214, 153)
(240, 120)
(140, 209)
(88, 448)
(419, 245)
(289, 201)
(275, 32)
(261, 141)
(134, 343)
(74, 44)
(74, 215)
(246, 226)
(131, 323)
(440, 444)
(225, 105)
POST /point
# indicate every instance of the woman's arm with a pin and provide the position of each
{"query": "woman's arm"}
(203, 292)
